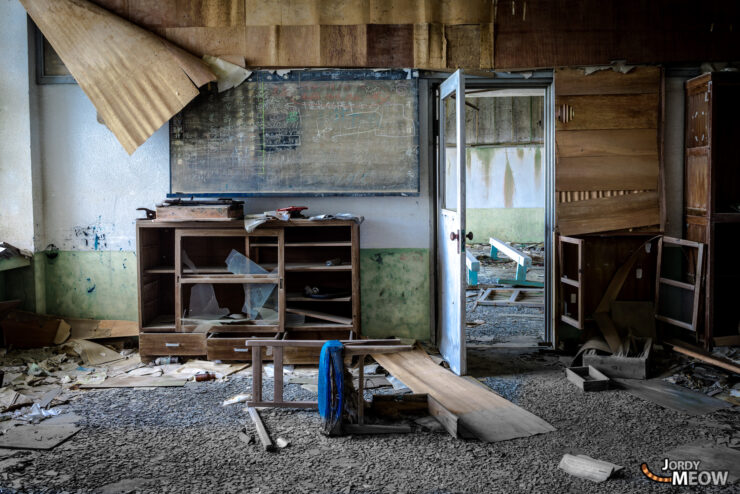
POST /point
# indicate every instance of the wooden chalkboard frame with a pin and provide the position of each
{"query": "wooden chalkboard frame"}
(320, 75)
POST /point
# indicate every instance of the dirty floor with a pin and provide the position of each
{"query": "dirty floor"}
(498, 325)
(183, 440)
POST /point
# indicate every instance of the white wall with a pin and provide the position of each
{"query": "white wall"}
(92, 187)
(16, 167)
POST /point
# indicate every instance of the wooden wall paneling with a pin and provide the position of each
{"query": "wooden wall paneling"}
(395, 12)
(640, 80)
(430, 46)
(661, 31)
(608, 214)
(214, 41)
(390, 45)
(618, 111)
(344, 46)
(453, 12)
(261, 46)
(463, 46)
(298, 46)
(620, 142)
(345, 12)
(591, 173)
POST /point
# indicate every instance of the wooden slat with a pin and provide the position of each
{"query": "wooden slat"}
(482, 412)
(607, 173)
(133, 79)
(612, 213)
(633, 111)
(344, 46)
(623, 142)
(574, 82)
(390, 45)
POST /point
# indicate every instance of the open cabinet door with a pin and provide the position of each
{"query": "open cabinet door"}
(451, 227)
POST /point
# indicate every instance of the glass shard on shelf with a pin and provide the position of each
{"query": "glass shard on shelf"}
(256, 295)
(203, 303)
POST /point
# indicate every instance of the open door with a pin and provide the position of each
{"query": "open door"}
(451, 226)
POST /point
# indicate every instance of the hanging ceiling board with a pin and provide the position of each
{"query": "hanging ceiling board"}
(136, 80)
(480, 411)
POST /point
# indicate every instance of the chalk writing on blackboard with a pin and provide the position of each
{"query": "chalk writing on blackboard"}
(299, 137)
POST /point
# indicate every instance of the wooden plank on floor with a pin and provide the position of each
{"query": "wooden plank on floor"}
(267, 443)
(673, 396)
(481, 412)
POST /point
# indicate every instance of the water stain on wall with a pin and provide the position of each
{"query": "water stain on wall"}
(508, 184)
(538, 168)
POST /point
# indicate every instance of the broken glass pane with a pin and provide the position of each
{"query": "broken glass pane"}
(256, 295)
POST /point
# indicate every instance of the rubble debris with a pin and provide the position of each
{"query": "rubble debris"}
(240, 398)
(37, 436)
(93, 353)
(587, 378)
(588, 468)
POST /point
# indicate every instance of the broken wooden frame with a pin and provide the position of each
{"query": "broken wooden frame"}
(522, 297)
(569, 285)
(694, 288)
(351, 348)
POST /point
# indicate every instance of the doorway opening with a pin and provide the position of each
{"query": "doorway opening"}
(495, 193)
(505, 211)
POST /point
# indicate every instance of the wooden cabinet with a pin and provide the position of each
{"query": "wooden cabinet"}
(712, 195)
(206, 287)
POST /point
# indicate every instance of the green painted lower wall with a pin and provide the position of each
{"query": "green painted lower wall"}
(102, 285)
(92, 284)
(509, 224)
(395, 293)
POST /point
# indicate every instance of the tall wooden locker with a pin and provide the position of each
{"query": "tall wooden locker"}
(712, 197)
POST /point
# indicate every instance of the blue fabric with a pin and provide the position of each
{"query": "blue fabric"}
(331, 382)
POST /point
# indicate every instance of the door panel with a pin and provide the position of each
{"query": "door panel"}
(451, 228)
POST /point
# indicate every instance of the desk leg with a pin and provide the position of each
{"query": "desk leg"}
(257, 374)
(277, 359)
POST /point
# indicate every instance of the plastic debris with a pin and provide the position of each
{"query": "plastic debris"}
(240, 398)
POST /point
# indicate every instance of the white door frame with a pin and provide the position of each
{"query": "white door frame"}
(538, 79)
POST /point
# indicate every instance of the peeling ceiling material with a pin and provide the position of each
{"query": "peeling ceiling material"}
(136, 80)
(427, 34)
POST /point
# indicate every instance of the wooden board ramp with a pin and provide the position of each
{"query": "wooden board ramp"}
(471, 408)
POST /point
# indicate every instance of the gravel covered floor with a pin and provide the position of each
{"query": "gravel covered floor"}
(183, 440)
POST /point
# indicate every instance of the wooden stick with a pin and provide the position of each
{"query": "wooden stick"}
(684, 348)
(261, 431)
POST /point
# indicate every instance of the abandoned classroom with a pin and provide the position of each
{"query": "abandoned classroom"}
(369, 246)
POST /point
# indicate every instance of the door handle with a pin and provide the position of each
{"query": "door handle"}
(469, 236)
(454, 236)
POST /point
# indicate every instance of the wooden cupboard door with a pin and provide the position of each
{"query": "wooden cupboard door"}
(608, 133)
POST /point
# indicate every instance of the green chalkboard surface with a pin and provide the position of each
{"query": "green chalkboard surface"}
(351, 137)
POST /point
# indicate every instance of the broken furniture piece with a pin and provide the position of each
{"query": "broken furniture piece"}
(587, 378)
(588, 468)
(522, 297)
(191, 210)
(473, 266)
(522, 260)
(678, 287)
(258, 348)
(632, 361)
(175, 257)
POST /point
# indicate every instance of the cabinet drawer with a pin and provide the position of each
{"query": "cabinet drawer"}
(172, 344)
(234, 348)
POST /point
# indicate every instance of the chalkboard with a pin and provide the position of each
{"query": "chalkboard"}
(311, 137)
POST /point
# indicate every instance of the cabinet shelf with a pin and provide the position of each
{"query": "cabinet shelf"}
(167, 286)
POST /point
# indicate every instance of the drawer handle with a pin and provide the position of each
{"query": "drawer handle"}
(172, 345)
(245, 350)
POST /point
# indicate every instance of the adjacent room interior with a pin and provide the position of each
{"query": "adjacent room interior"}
(369, 246)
